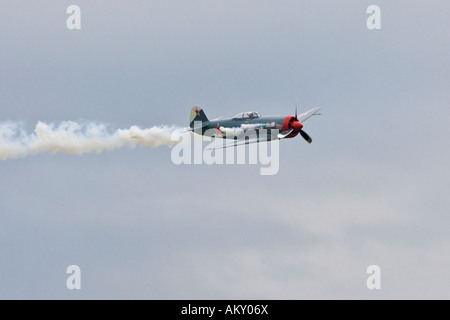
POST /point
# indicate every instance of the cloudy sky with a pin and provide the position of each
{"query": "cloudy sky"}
(372, 188)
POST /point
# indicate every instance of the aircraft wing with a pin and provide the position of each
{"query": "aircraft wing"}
(308, 114)
(237, 143)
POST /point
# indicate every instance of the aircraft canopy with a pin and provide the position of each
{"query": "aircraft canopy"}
(247, 115)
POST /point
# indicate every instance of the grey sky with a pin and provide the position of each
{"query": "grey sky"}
(370, 189)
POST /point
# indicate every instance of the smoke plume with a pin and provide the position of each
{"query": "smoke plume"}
(77, 138)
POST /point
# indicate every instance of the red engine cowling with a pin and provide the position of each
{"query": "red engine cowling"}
(292, 122)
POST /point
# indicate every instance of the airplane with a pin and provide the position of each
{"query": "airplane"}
(237, 127)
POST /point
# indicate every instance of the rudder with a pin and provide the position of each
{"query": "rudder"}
(197, 114)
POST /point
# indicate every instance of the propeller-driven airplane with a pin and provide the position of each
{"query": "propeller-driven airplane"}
(237, 127)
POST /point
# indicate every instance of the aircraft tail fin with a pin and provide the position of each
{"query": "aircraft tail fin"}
(197, 114)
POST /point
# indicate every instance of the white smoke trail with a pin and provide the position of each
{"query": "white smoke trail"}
(75, 138)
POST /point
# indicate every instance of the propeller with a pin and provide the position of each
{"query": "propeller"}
(305, 136)
(297, 126)
(293, 127)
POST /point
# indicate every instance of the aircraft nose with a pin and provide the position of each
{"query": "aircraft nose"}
(297, 125)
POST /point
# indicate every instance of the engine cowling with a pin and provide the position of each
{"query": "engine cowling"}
(291, 122)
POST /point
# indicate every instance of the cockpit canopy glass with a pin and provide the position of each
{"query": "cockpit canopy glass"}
(247, 115)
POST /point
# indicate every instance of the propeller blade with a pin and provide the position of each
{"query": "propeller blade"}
(305, 136)
(296, 112)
